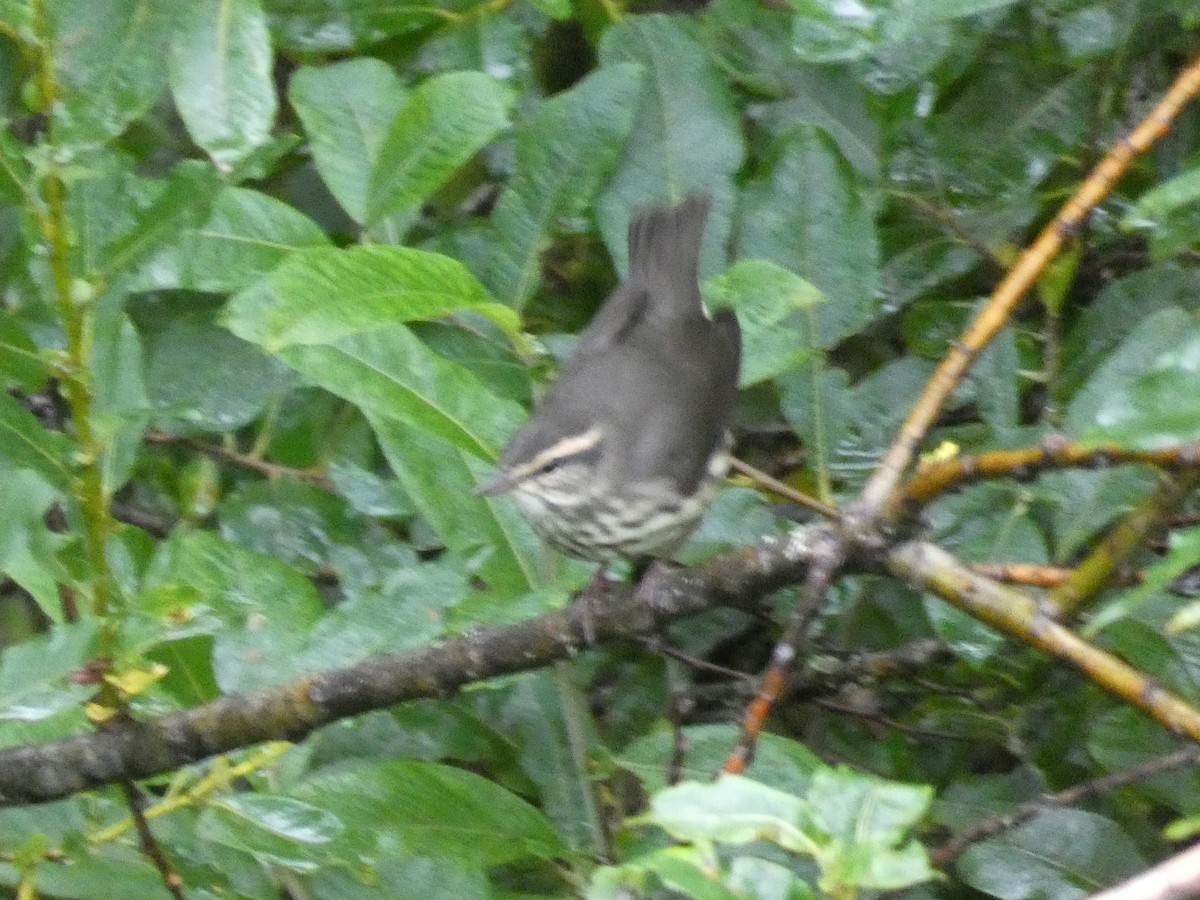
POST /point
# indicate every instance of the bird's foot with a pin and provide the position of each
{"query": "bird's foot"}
(589, 599)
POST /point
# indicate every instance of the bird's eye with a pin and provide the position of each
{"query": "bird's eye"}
(553, 464)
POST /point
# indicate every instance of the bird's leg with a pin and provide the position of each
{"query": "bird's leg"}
(589, 598)
(646, 570)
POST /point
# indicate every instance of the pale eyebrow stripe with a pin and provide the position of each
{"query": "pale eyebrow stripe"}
(578, 443)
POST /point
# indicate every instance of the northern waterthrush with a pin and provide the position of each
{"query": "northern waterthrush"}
(629, 446)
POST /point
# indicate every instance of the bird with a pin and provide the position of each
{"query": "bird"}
(629, 446)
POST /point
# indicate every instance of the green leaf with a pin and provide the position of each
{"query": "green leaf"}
(21, 365)
(732, 810)
(686, 871)
(774, 309)
(1146, 394)
(317, 26)
(111, 61)
(34, 676)
(1159, 408)
(564, 153)
(203, 376)
(296, 523)
(1182, 190)
(247, 235)
(347, 109)
(119, 405)
(259, 610)
(824, 32)
(868, 819)
(406, 611)
(448, 813)
(686, 135)
(321, 295)
(389, 372)
(221, 77)
(16, 182)
(181, 201)
(439, 478)
(273, 828)
(1063, 854)
(828, 239)
(784, 763)
(444, 122)
(27, 547)
(25, 444)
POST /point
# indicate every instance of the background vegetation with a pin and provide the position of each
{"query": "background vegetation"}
(280, 277)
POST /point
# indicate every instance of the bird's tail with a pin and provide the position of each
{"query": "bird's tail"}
(664, 253)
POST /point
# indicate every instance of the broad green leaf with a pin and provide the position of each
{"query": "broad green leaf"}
(203, 376)
(120, 221)
(296, 523)
(258, 610)
(1063, 854)
(34, 680)
(686, 135)
(221, 77)
(273, 828)
(868, 820)
(755, 41)
(120, 406)
(761, 879)
(347, 109)
(779, 761)
(564, 153)
(826, 32)
(369, 493)
(26, 444)
(111, 875)
(829, 238)
(444, 122)
(27, 547)
(246, 236)
(407, 610)
(439, 478)
(971, 798)
(850, 806)
(21, 365)
(317, 26)
(773, 307)
(1084, 503)
(731, 810)
(1159, 407)
(686, 871)
(15, 176)
(447, 813)
(321, 295)
(111, 61)
(1143, 394)
(181, 201)
(1182, 190)
(389, 372)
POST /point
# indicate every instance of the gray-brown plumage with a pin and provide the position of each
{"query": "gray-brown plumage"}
(629, 446)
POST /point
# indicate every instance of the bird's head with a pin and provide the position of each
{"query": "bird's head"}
(552, 458)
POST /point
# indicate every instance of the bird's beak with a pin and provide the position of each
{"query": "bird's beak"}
(501, 484)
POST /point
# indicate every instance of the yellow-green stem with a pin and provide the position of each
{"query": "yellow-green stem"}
(52, 221)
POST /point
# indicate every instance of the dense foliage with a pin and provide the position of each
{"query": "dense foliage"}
(281, 276)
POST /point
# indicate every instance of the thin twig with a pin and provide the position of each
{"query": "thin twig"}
(783, 489)
(1093, 787)
(150, 847)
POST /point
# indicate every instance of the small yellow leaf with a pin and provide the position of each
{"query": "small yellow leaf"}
(944, 452)
(135, 681)
(98, 713)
